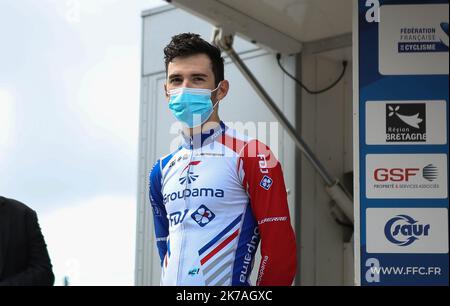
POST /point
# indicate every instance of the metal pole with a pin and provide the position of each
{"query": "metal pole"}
(280, 116)
(338, 193)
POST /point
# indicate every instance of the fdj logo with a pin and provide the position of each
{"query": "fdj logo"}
(263, 164)
(406, 122)
(177, 217)
(403, 230)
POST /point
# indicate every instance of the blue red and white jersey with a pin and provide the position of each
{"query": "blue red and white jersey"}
(214, 199)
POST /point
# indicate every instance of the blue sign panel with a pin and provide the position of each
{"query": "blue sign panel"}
(401, 80)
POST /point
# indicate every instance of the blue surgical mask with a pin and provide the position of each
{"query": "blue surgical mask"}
(192, 106)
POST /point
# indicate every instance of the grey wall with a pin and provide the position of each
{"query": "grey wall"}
(325, 123)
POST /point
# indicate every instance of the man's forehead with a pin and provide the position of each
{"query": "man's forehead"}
(195, 64)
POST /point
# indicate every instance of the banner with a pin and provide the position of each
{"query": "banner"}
(401, 64)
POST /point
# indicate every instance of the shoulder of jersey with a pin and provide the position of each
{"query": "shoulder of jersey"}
(234, 140)
(166, 159)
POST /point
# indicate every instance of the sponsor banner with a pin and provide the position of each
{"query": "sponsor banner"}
(401, 128)
(422, 176)
(406, 122)
(407, 230)
(413, 39)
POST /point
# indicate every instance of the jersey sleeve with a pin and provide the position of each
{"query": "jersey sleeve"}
(159, 211)
(262, 177)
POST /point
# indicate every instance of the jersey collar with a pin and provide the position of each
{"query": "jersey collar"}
(203, 139)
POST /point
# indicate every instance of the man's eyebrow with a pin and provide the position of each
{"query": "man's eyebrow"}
(199, 75)
(178, 75)
(174, 75)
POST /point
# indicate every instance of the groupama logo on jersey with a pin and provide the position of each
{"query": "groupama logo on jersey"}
(403, 230)
(189, 176)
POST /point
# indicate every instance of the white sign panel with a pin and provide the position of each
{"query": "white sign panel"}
(413, 39)
(407, 230)
(406, 176)
(406, 122)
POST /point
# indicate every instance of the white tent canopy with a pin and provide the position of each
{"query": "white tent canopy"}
(281, 25)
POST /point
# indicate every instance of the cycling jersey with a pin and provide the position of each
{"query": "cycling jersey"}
(214, 199)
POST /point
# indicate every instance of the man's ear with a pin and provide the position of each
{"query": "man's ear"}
(223, 90)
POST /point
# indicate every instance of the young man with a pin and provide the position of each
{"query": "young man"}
(24, 259)
(220, 192)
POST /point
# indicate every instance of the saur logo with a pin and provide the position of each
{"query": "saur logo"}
(403, 230)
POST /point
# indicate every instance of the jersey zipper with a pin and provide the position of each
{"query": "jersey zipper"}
(180, 261)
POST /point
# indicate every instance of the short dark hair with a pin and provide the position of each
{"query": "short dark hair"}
(186, 44)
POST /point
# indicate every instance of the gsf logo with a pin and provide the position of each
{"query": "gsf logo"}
(373, 13)
(395, 174)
